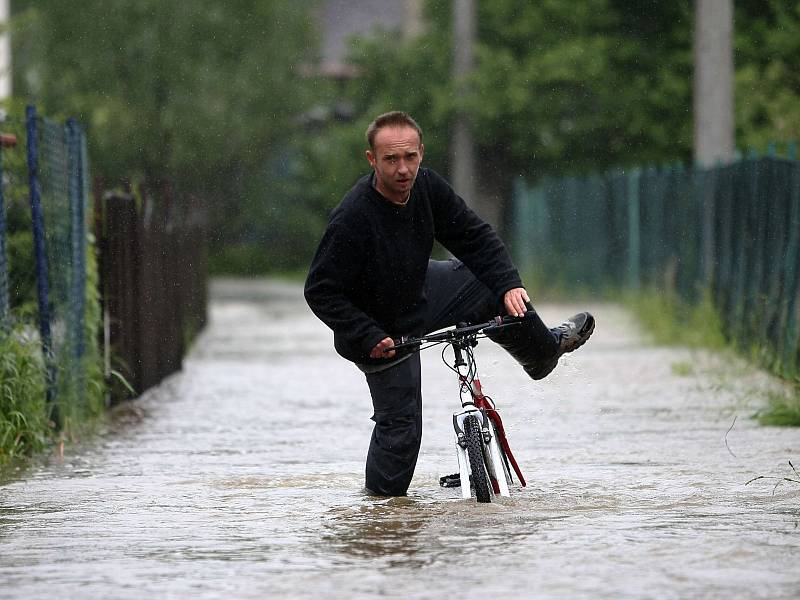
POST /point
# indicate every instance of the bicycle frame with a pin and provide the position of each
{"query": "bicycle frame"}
(497, 456)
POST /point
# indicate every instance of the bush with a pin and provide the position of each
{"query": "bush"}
(783, 409)
(23, 414)
(25, 425)
(672, 321)
(22, 282)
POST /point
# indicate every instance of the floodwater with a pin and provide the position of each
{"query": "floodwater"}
(242, 477)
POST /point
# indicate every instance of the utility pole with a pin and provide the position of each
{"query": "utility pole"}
(5, 51)
(463, 149)
(414, 23)
(713, 107)
(713, 82)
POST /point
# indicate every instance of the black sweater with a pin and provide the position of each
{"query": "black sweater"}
(366, 280)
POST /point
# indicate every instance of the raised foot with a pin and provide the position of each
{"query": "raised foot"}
(572, 334)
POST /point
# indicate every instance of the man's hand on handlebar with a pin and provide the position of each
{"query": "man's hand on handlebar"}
(515, 301)
(378, 350)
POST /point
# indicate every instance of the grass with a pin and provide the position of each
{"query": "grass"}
(783, 409)
(673, 322)
(24, 427)
(683, 369)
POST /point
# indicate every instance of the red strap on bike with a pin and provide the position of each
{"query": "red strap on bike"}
(491, 412)
(501, 433)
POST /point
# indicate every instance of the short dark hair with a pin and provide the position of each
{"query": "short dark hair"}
(394, 118)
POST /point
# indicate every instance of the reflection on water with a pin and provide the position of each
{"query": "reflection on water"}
(415, 531)
(386, 529)
(242, 477)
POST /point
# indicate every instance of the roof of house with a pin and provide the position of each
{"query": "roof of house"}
(340, 20)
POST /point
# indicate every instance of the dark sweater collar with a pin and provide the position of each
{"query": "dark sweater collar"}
(374, 193)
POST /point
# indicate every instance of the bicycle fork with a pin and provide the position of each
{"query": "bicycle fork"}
(493, 458)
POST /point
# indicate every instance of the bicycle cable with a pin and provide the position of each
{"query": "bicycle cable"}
(467, 378)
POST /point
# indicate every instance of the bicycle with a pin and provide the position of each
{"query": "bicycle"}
(484, 456)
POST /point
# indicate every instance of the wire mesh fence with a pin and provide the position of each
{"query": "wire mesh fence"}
(731, 232)
(56, 166)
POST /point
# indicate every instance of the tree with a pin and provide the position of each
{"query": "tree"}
(204, 93)
(767, 81)
(557, 86)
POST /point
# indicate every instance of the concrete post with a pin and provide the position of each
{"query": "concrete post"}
(713, 82)
(463, 151)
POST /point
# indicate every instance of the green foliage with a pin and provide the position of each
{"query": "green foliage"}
(557, 87)
(570, 86)
(683, 369)
(22, 284)
(767, 79)
(80, 392)
(246, 260)
(94, 388)
(561, 87)
(218, 96)
(783, 409)
(23, 423)
(19, 238)
(672, 321)
(203, 93)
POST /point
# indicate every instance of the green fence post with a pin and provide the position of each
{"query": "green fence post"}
(790, 358)
(522, 225)
(542, 250)
(708, 208)
(634, 244)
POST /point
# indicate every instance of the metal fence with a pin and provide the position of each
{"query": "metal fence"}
(43, 247)
(730, 231)
(57, 168)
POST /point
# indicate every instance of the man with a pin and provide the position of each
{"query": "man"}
(372, 281)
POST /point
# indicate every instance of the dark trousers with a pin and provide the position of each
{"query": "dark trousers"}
(453, 295)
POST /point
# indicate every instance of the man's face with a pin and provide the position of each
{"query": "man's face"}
(396, 159)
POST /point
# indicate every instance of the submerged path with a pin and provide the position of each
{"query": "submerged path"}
(241, 476)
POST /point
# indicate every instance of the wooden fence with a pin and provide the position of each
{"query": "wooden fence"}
(153, 282)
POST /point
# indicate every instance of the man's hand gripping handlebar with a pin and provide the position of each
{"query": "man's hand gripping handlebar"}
(388, 347)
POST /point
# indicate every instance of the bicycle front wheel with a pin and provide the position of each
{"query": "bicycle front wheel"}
(477, 464)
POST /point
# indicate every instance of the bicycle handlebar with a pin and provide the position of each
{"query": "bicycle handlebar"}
(458, 333)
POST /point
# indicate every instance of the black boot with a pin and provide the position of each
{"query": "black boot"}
(533, 349)
(531, 344)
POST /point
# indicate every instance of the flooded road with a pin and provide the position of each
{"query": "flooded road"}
(242, 477)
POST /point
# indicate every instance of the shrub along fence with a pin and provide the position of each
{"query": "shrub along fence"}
(153, 273)
(730, 233)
